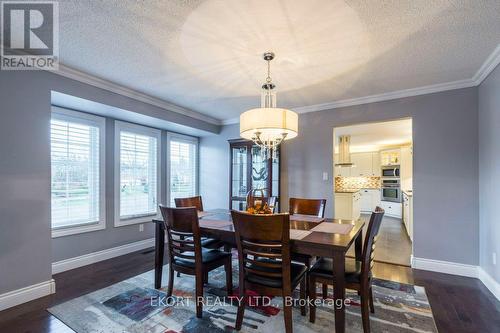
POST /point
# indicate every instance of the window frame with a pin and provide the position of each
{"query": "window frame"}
(141, 130)
(188, 139)
(89, 120)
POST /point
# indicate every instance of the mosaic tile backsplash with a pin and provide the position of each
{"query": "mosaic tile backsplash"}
(342, 183)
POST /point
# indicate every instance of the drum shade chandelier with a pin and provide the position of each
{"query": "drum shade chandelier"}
(268, 126)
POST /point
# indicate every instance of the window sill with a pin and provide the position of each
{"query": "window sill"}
(78, 230)
(136, 220)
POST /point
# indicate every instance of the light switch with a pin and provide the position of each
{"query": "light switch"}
(325, 175)
(141, 227)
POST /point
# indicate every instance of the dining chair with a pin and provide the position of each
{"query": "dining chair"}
(265, 266)
(190, 202)
(358, 274)
(198, 204)
(314, 207)
(186, 255)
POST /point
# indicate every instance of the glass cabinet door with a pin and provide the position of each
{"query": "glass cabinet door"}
(251, 170)
(239, 186)
(260, 170)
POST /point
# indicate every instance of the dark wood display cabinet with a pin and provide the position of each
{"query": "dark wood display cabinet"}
(250, 169)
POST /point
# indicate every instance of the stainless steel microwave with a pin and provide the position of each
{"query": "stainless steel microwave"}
(390, 171)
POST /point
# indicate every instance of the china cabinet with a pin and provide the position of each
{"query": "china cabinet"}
(250, 169)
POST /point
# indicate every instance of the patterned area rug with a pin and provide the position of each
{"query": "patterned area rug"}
(134, 306)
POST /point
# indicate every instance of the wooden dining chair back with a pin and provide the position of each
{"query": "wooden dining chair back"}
(315, 207)
(264, 237)
(185, 252)
(368, 254)
(183, 234)
(190, 202)
(358, 274)
(265, 266)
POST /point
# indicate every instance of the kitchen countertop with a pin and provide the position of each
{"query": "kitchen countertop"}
(347, 190)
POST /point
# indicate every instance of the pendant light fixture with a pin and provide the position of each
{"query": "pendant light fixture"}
(268, 126)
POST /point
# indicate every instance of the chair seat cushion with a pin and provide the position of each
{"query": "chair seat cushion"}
(208, 256)
(297, 271)
(324, 268)
(211, 243)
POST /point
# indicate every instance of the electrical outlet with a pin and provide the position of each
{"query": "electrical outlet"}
(325, 175)
(141, 227)
(494, 258)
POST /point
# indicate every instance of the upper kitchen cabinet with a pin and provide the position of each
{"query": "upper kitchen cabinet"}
(406, 168)
(390, 157)
(365, 165)
(362, 165)
(376, 171)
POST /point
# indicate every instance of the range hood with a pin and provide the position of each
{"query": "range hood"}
(344, 152)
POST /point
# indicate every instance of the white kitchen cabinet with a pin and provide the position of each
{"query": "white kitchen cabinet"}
(408, 214)
(362, 165)
(376, 170)
(366, 201)
(392, 209)
(370, 199)
(406, 168)
(347, 205)
(390, 156)
(365, 164)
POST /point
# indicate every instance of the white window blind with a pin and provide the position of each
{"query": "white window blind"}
(183, 168)
(138, 175)
(75, 166)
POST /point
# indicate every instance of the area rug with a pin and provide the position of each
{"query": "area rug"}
(134, 306)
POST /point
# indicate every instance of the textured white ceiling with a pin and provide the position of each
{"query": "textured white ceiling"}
(206, 55)
(376, 136)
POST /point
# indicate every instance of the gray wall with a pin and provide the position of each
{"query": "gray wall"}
(214, 167)
(489, 172)
(26, 247)
(445, 138)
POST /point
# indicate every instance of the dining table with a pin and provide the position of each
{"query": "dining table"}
(315, 237)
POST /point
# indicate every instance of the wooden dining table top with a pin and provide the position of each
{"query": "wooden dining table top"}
(316, 243)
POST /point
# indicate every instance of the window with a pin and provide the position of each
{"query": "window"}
(77, 172)
(137, 172)
(183, 155)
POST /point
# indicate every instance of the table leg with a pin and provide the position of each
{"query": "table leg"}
(339, 290)
(159, 250)
(359, 245)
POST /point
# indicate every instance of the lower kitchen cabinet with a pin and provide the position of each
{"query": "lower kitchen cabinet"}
(408, 214)
(392, 209)
(370, 199)
(347, 205)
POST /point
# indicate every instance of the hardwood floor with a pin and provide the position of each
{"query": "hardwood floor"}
(393, 245)
(459, 304)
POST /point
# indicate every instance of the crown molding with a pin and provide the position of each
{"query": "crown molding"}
(231, 121)
(97, 82)
(488, 66)
(387, 96)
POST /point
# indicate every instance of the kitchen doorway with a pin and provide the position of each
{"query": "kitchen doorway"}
(373, 166)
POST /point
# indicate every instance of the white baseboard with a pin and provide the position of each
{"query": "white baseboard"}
(489, 282)
(26, 294)
(91, 258)
(445, 267)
